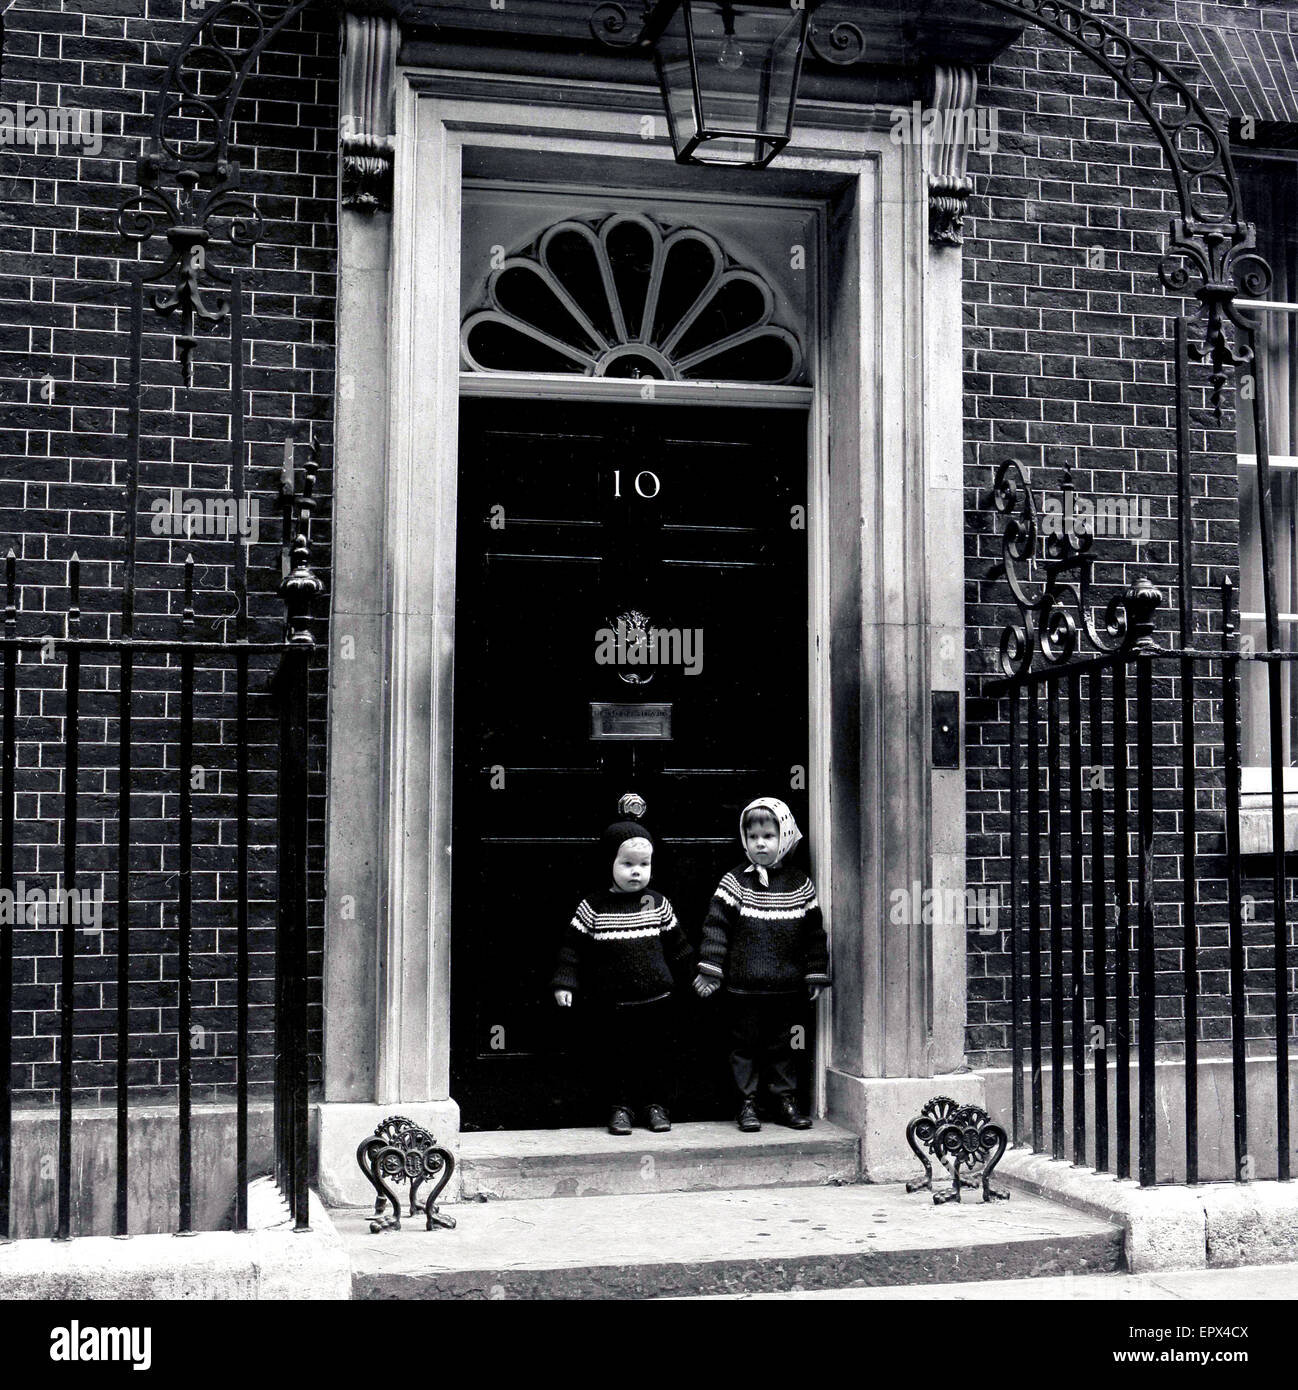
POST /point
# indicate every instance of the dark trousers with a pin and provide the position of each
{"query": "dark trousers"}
(761, 1043)
(631, 1046)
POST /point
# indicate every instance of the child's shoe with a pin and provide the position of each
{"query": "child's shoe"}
(748, 1120)
(620, 1120)
(655, 1119)
(787, 1113)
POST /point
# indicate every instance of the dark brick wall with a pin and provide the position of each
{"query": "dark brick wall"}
(1069, 365)
(64, 395)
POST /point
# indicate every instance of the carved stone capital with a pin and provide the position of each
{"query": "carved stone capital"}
(367, 110)
(952, 96)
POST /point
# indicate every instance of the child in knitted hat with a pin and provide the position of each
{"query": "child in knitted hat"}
(620, 958)
(764, 937)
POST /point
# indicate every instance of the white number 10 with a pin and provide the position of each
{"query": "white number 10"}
(639, 480)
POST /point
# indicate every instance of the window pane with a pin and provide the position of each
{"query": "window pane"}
(1270, 192)
(1255, 700)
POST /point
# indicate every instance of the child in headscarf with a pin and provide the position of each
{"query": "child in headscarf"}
(764, 938)
(620, 958)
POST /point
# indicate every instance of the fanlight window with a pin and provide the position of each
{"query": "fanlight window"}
(627, 298)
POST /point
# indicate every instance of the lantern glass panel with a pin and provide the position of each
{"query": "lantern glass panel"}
(730, 76)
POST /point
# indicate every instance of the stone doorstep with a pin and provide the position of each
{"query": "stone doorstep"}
(1210, 1226)
(687, 1243)
(269, 1261)
(519, 1165)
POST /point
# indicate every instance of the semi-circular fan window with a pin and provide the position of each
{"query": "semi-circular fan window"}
(626, 297)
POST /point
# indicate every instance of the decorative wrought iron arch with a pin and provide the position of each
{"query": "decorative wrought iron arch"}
(1210, 233)
(186, 178)
(1213, 256)
(188, 186)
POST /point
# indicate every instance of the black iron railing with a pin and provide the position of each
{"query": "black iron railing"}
(144, 672)
(1099, 879)
(300, 586)
(193, 224)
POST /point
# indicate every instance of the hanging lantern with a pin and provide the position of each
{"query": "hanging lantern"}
(729, 74)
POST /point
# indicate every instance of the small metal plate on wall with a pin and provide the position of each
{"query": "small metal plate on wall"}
(946, 729)
(623, 722)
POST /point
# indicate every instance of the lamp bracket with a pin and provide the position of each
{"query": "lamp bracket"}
(841, 43)
(610, 21)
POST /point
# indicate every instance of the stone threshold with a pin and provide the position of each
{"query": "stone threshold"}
(710, 1155)
(691, 1243)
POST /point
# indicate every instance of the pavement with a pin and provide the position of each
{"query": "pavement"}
(1255, 1283)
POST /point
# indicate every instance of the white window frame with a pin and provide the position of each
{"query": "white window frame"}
(1255, 780)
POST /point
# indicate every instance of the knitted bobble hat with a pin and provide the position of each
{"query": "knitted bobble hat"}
(618, 834)
(625, 828)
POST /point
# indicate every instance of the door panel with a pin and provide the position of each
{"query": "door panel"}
(555, 542)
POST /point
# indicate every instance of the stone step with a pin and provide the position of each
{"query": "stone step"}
(519, 1165)
(680, 1244)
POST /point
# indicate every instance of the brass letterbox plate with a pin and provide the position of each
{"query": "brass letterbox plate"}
(624, 722)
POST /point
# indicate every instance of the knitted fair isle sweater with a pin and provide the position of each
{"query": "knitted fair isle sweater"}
(765, 940)
(622, 948)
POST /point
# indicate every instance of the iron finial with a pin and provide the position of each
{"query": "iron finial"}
(74, 595)
(187, 616)
(1142, 601)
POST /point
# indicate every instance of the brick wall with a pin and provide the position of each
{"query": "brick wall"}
(64, 383)
(1068, 351)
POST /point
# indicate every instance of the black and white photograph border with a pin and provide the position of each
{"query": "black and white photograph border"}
(649, 653)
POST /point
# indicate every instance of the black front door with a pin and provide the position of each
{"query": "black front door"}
(581, 527)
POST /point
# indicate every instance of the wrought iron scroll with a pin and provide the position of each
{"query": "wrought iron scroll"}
(840, 42)
(613, 26)
(189, 187)
(959, 1137)
(1048, 584)
(399, 1151)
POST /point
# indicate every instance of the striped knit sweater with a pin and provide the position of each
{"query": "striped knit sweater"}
(622, 948)
(765, 940)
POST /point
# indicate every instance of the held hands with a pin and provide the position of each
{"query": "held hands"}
(563, 997)
(704, 987)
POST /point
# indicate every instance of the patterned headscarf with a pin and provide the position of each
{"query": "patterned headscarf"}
(790, 835)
